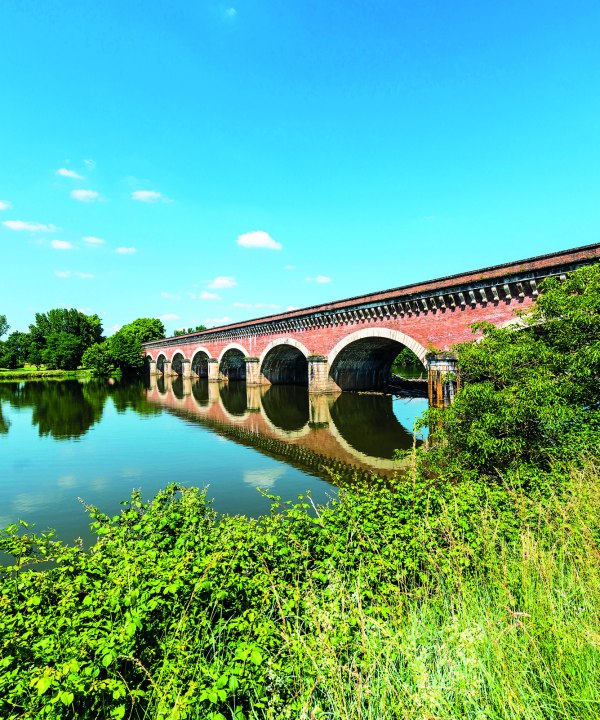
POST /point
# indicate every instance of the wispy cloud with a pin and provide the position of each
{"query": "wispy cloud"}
(68, 273)
(289, 308)
(231, 12)
(61, 245)
(65, 172)
(169, 316)
(319, 279)
(222, 281)
(91, 240)
(258, 306)
(169, 296)
(90, 164)
(289, 267)
(85, 196)
(148, 196)
(204, 295)
(63, 273)
(84, 275)
(263, 478)
(213, 322)
(125, 250)
(258, 239)
(28, 226)
(5, 205)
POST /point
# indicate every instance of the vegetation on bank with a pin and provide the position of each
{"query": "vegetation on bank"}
(31, 373)
(468, 589)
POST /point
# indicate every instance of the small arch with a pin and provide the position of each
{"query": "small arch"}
(177, 363)
(199, 365)
(363, 360)
(160, 362)
(233, 346)
(283, 362)
(232, 365)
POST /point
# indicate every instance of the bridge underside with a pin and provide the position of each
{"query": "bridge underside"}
(365, 364)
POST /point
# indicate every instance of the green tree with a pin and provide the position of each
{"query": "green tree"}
(61, 336)
(123, 350)
(187, 331)
(530, 390)
(14, 350)
(4, 326)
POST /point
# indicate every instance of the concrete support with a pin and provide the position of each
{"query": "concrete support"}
(167, 368)
(153, 381)
(152, 367)
(186, 368)
(214, 396)
(253, 395)
(213, 370)
(442, 380)
(319, 380)
(253, 373)
(319, 414)
(168, 381)
(187, 385)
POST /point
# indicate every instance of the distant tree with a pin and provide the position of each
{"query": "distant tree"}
(3, 325)
(187, 331)
(15, 350)
(123, 350)
(60, 337)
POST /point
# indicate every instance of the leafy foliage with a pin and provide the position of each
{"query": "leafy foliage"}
(59, 337)
(123, 351)
(4, 326)
(187, 331)
(15, 350)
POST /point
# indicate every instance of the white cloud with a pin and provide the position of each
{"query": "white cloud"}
(63, 273)
(169, 316)
(231, 12)
(61, 245)
(291, 307)
(91, 240)
(212, 322)
(68, 273)
(65, 172)
(148, 196)
(84, 275)
(169, 296)
(28, 226)
(222, 281)
(263, 478)
(319, 279)
(5, 205)
(114, 328)
(85, 196)
(258, 306)
(90, 164)
(125, 250)
(208, 296)
(258, 239)
(289, 267)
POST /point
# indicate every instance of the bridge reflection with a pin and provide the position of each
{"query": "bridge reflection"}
(347, 433)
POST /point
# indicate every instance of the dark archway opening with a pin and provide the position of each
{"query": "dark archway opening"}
(160, 363)
(200, 364)
(200, 392)
(177, 387)
(233, 397)
(285, 365)
(233, 365)
(177, 364)
(366, 364)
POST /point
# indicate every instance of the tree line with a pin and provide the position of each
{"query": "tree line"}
(66, 339)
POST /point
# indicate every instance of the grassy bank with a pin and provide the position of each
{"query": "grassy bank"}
(423, 600)
(31, 373)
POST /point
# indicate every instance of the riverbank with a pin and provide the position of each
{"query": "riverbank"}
(32, 373)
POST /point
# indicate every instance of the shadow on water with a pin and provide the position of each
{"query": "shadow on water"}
(286, 406)
(233, 397)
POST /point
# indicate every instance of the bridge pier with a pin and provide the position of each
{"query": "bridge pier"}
(319, 380)
(442, 379)
(213, 370)
(319, 414)
(152, 367)
(253, 373)
(186, 368)
(166, 368)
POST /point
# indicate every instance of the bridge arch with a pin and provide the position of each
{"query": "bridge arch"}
(363, 359)
(284, 362)
(199, 364)
(177, 362)
(160, 362)
(232, 364)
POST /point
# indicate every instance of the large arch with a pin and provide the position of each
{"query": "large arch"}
(199, 364)
(232, 364)
(160, 362)
(284, 362)
(363, 359)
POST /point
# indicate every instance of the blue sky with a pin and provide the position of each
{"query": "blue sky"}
(207, 162)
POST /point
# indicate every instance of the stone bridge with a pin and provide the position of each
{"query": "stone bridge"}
(351, 344)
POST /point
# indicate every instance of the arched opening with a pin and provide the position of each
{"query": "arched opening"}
(160, 363)
(233, 365)
(408, 366)
(285, 365)
(161, 385)
(286, 407)
(200, 392)
(366, 363)
(147, 363)
(177, 363)
(200, 364)
(177, 387)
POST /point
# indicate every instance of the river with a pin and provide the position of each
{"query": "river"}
(64, 440)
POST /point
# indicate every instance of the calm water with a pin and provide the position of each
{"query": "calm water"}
(69, 439)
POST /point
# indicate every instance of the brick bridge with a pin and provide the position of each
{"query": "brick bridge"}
(351, 344)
